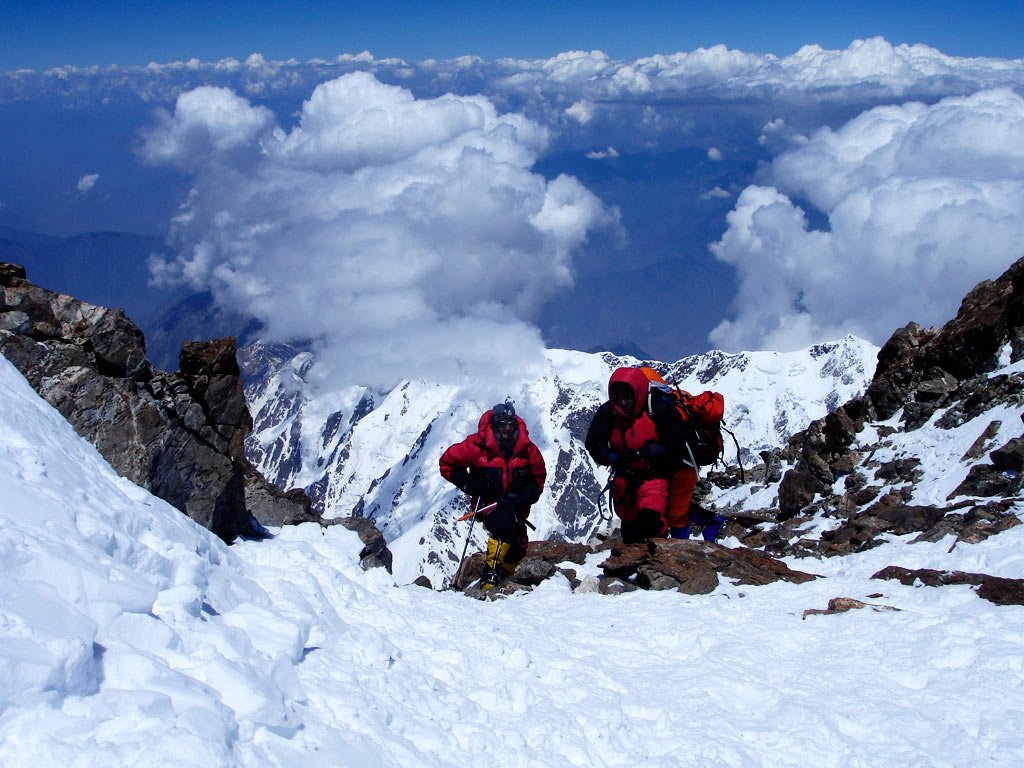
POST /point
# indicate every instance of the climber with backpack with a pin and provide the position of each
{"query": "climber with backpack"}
(502, 470)
(623, 435)
(644, 434)
(692, 437)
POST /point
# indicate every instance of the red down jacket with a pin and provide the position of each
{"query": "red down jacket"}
(521, 471)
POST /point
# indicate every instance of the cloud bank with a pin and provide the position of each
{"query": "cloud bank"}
(407, 237)
(922, 203)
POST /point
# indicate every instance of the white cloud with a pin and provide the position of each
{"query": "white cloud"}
(716, 193)
(582, 111)
(778, 137)
(409, 237)
(715, 154)
(611, 152)
(87, 182)
(923, 202)
(207, 122)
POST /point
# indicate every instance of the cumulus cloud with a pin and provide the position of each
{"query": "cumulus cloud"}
(207, 123)
(605, 154)
(87, 182)
(715, 154)
(922, 203)
(407, 237)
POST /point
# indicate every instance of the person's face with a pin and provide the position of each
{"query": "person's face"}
(623, 398)
(504, 428)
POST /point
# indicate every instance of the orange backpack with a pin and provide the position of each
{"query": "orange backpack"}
(703, 412)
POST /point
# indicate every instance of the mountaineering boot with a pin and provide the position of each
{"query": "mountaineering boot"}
(494, 563)
(490, 579)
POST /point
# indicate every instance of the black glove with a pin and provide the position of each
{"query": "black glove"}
(620, 461)
(652, 451)
(475, 485)
(511, 502)
(652, 523)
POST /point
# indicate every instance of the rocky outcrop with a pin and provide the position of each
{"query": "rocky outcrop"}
(375, 552)
(180, 435)
(921, 371)
(541, 562)
(995, 589)
(694, 567)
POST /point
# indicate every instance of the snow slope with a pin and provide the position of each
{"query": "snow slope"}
(130, 636)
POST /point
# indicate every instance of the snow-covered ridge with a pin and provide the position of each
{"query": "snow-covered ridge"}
(375, 454)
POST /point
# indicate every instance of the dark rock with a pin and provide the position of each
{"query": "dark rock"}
(995, 589)
(899, 469)
(693, 566)
(978, 448)
(276, 508)
(423, 581)
(772, 467)
(844, 604)
(1009, 458)
(179, 435)
(532, 571)
(558, 551)
(901, 519)
(940, 384)
(615, 586)
(375, 552)
(986, 481)
(798, 489)
(1002, 591)
(927, 576)
(894, 374)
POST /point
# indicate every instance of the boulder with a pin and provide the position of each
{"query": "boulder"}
(693, 567)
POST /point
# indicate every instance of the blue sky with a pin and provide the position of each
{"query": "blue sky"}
(44, 34)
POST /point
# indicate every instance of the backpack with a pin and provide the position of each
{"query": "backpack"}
(702, 412)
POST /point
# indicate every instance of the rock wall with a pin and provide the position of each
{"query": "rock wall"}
(922, 371)
(180, 435)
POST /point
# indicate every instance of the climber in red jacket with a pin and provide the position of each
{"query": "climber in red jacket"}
(501, 465)
(625, 437)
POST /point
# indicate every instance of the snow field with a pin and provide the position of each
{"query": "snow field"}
(131, 637)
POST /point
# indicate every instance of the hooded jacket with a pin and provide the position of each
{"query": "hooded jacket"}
(519, 470)
(631, 439)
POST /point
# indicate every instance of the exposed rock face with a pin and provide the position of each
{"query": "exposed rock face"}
(922, 371)
(180, 435)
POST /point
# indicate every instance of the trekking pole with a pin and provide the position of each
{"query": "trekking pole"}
(456, 583)
(600, 498)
